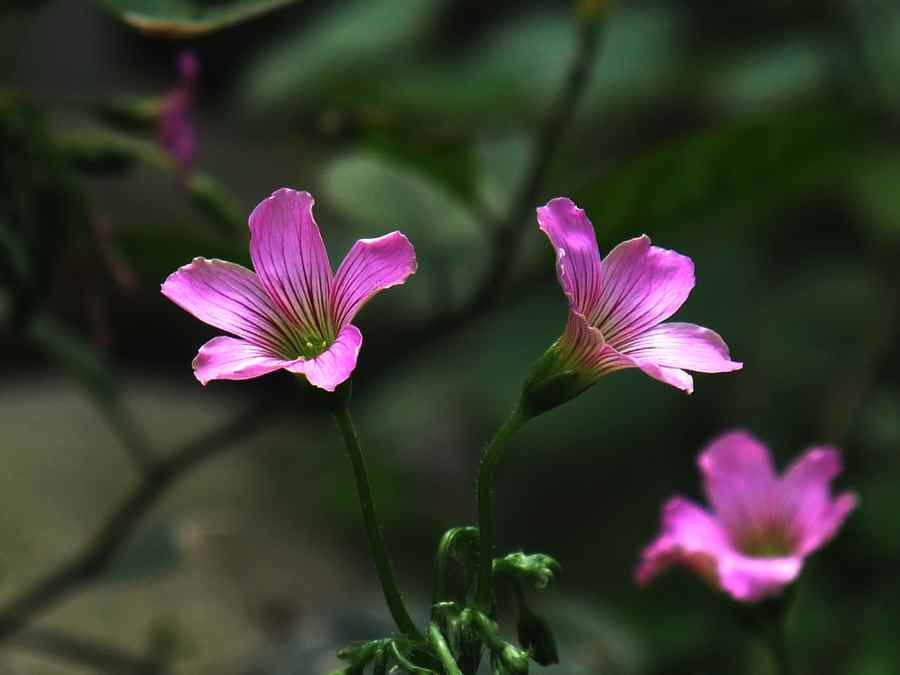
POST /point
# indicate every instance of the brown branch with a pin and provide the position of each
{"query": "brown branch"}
(99, 656)
(96, 555)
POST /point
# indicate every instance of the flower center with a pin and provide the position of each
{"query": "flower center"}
(775, 540)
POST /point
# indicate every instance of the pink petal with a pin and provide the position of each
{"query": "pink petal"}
(290, 258)
(228, 297)
(188, 66)
(741, 485)
(335, 365)
(581, 346)
(690, 536)
(577, 257)
(609, 360)
(372, 265)
(227, 358)
(667, 350)
(754, 579)
(806, 497)
(176, 127)
(642, 286)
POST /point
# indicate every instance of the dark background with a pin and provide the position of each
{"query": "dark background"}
(759, 138)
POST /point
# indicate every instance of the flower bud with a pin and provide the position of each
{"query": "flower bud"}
(535, 636)
(535, 569)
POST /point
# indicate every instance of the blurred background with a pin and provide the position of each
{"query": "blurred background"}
(760, 138)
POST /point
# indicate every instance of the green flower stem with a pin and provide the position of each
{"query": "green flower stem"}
(373, 529)
(443, 651)
(779, 646)
(490, 458)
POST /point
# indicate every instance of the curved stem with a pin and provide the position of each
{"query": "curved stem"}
(373, 529)
(490, 458)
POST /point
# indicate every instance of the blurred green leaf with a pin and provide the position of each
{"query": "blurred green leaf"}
(154, 251)
(78, 358)
(775, 74)
(40, 205)
(103, 152)
(502, 163)
(15, 266)
(211, 199)
(449, 162)
(187, 18)
(506, 79)
(334, 56)
(111, 153)
(377, 195)
(748, 168)
(875, 182)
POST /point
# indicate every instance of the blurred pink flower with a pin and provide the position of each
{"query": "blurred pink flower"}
(761, 527)
(176, 115)
(293, 313)
(616, 305)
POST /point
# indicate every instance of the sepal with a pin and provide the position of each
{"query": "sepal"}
(552, 382)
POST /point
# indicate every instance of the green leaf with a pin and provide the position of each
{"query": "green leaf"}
(507, 79)
(77, 357)
(153, 251)
(110, 153)
(377, 195)
(103, 152)
(449, 162)
(874, 188)
(746, 168)
(187, 18)
(770, 76)
(316, 63)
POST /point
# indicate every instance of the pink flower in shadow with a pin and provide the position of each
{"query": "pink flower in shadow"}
(617, 305)
(293, 312)
(176, 116)
(761, 527)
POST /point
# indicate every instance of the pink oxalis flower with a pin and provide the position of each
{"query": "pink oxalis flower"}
(761, 527)
(176, 115)
(293, 312)
(617, 305)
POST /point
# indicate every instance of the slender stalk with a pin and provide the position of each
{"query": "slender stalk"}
(373, 529)
(443, 651)
(779, 646)
(490, 458)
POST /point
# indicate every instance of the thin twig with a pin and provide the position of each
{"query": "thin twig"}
(102, 548)
(509, 233)
(99, 656)
(131, 434)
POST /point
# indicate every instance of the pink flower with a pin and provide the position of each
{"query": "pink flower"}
(616, 306)
(293, 313)
(176, 123)
(762, 527)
